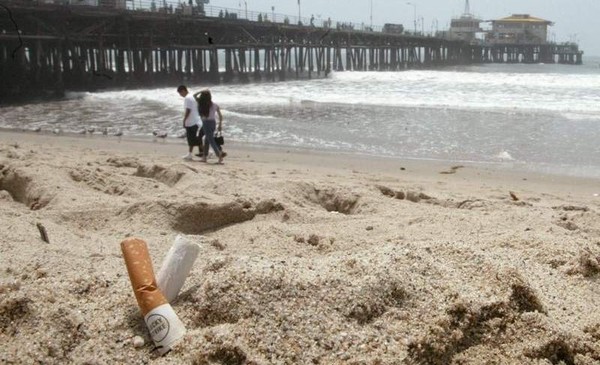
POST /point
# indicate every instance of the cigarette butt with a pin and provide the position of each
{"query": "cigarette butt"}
(43, 232)
(165, 327)
(141, 274)
(176, 267)
(160, 318)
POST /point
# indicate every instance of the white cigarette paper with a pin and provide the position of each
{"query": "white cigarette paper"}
(165, 327)
(176, 267)
(162, 322)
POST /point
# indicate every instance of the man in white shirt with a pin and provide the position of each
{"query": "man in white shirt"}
(191, 120)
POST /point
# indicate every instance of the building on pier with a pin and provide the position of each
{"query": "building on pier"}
(519, 29)
(466, 27)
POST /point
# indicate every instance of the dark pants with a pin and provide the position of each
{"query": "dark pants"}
(192, 138)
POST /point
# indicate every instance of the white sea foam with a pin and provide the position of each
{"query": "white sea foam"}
(457, 89)
(230, 113)
(581, 116)
(449, 89)
(504, 156)
(478, 113)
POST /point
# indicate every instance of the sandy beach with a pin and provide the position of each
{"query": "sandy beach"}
(306, 257)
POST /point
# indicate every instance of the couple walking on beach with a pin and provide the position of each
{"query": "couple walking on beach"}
(200, 120)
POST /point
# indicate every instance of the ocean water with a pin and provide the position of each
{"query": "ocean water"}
(541, 117)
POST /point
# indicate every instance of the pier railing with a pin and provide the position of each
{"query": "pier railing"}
(199, 9)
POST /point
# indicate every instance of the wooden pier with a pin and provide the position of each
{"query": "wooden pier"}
(47, 49)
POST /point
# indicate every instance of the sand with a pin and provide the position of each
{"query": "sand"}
(306, 257)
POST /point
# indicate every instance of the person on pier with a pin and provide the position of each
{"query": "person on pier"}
(208, 112)
(191, 121)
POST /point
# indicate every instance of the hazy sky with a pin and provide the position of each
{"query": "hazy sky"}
(573, 19)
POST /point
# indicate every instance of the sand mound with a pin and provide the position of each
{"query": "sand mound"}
(340, 265)
(25, 186)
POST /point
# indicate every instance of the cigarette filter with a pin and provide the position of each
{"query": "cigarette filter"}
(176, 267)
(162, 322)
